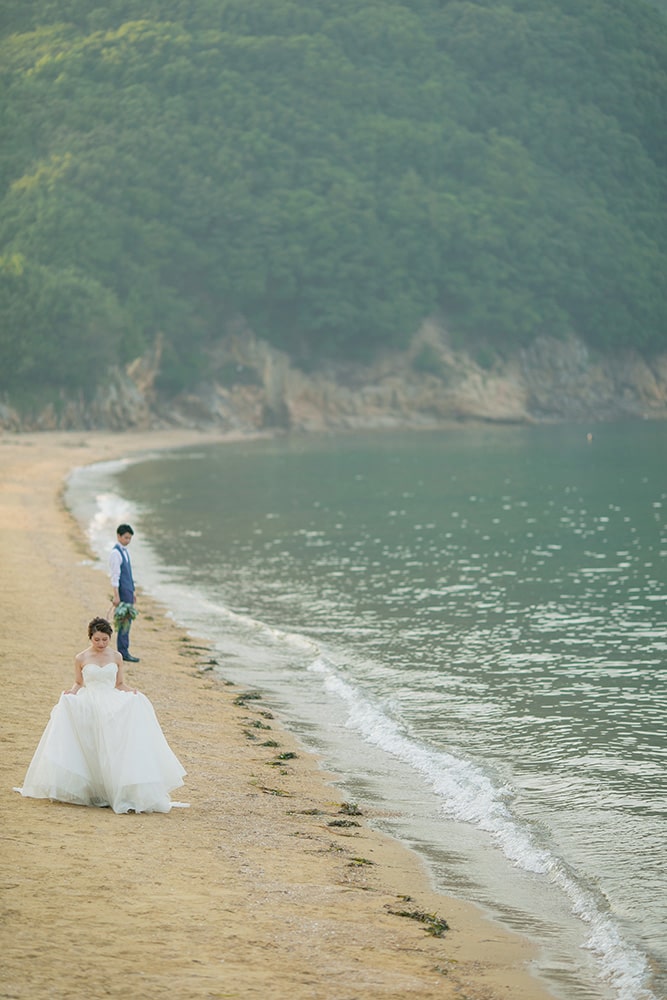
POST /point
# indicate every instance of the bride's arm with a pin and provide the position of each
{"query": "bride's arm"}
(120, 678)
(78, 677)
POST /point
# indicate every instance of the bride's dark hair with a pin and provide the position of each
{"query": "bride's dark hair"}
(99, 625)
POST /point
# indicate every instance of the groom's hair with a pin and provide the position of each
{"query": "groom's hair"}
(124, 529)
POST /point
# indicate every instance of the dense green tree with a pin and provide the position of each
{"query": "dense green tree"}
(59, 327)
(331, 171)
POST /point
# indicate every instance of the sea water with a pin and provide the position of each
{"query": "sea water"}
(470, 626)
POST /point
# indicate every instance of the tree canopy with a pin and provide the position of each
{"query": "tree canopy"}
(331, 171)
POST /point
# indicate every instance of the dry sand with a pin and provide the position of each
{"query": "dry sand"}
(250, 892)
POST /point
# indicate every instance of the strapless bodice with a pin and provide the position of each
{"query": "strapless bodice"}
(94, 674)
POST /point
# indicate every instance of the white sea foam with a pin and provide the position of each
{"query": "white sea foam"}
(469, 795)
(103, 509)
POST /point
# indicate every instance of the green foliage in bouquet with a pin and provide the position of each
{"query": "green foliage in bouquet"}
(123, 616)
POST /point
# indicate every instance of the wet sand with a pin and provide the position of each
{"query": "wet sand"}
(251, 892)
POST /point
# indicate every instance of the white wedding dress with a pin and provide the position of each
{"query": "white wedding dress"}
(104, 747)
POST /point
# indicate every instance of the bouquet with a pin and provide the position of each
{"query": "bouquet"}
(123, 616)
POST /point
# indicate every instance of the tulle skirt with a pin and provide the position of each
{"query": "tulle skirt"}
(104, 747)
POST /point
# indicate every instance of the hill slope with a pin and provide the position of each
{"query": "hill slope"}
(332, 172)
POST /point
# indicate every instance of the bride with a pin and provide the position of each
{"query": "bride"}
(103, 745)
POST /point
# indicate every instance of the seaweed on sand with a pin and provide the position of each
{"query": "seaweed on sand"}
(433, 924)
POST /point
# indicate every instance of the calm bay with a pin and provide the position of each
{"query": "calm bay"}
(470, 626)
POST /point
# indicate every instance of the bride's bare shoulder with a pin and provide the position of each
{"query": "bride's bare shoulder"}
(83, 656)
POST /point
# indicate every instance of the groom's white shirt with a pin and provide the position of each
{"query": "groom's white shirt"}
(115, 559)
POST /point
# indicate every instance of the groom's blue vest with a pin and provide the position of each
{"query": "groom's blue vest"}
(125, 583)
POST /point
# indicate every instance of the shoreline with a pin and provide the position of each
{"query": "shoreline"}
(252, 891)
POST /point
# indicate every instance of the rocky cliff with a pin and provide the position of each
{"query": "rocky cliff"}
(254, 386)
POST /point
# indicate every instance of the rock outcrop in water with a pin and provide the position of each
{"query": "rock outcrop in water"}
(254, 386)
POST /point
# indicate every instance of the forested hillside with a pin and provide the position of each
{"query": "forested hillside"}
(331, 171)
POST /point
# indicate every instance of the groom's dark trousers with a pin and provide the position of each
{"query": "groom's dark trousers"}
(126, 594)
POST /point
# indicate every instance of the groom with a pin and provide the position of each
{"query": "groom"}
(120, 573)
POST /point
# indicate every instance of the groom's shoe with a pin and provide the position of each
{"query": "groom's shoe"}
(131, 659)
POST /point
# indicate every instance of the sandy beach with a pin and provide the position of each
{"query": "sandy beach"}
(251, 892)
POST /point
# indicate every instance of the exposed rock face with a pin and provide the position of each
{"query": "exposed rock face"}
(565, 380)
(253, 386)
(431, 382)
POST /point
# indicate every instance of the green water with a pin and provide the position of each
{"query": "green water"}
(484, 609)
